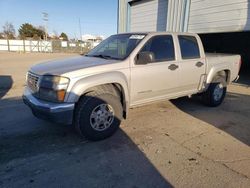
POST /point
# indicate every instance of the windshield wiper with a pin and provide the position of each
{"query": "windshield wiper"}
(103, 56)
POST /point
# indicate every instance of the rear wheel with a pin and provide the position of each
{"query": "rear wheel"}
(216, 92)
(98, 115)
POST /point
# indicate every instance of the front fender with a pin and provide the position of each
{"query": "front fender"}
(83, 84)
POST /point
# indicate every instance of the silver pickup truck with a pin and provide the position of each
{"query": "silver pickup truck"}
(94, 92)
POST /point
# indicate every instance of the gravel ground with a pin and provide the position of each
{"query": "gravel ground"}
(178, 143)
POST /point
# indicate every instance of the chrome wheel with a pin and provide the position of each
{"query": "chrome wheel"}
(102, 117)
(218, 92)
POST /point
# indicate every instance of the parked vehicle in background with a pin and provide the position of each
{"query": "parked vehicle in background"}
(94, 92)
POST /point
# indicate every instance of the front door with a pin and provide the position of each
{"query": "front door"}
(158, 79)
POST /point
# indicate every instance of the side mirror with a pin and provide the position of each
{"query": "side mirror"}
(144, 58)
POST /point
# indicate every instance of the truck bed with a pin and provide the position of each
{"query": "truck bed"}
(209, 54)
(231, 61)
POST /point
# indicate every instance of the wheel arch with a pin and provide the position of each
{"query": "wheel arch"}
(114, 83)
(221, 72)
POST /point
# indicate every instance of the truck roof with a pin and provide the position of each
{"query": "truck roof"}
(157, 32)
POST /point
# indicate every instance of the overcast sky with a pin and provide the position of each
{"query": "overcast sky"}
(98, 17)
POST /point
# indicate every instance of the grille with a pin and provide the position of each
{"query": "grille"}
(32, 82)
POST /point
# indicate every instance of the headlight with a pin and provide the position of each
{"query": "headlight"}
(53, 88)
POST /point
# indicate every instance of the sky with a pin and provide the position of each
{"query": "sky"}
(97, 17)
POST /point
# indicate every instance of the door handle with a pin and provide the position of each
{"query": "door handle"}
(199, 64)
(172, 67)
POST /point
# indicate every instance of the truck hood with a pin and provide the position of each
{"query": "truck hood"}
(59, 67)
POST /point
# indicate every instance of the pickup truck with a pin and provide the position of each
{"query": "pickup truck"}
(94, 92)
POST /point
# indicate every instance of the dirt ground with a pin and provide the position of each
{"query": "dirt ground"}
(178, 143)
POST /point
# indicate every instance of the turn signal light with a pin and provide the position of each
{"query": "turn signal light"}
(61, 95)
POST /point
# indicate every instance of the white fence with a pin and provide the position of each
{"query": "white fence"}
(25, 45)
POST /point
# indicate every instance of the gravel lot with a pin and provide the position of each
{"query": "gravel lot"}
(178, 143)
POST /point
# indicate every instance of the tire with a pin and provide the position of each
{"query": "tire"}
(216, 92)
(90, 119)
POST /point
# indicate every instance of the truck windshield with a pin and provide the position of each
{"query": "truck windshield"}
(117, 46)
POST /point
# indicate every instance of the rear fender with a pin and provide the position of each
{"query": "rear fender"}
(215, 71)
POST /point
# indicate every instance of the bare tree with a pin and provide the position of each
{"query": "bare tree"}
(9, 30)
(55, 35)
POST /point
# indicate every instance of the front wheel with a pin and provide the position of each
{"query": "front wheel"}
(216, 92)
(98, 116)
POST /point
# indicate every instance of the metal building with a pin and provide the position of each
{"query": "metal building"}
(199, 16)
(153, 15)
(223, 25)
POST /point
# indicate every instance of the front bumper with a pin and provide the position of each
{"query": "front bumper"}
(54, 112)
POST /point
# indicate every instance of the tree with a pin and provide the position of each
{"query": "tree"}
(28, 30)
(64, 36)
(40, 32)
(9, 30)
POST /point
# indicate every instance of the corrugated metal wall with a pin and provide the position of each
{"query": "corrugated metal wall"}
(211, 16)
(178, 12)
(122, 16)
(148, 15)
(199, 16)
(161, 15)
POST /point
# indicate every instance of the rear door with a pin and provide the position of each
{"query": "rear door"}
(192, 63)
(158, 79)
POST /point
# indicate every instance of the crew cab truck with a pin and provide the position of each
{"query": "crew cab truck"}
(94, 92)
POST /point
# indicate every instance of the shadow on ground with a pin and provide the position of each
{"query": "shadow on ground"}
(5, 84)
(37, 154)
(233, 116)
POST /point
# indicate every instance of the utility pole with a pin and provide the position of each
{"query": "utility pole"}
(80, 31)
(46, 19)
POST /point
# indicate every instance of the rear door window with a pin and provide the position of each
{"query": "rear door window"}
(189, 47)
